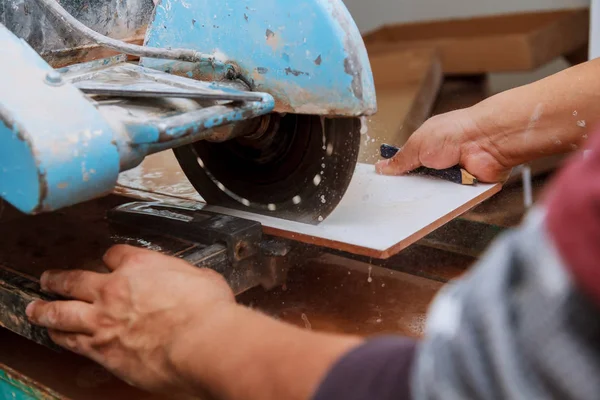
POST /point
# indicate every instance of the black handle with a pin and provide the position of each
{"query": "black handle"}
(453, 174)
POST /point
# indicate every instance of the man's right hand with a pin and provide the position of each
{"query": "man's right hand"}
(548, 117)
(446, 140)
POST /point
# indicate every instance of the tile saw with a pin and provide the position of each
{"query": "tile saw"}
(260, 101)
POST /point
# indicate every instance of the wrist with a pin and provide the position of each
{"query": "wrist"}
(545, 118)
(192, 354)
(513, 132)
(238, 353)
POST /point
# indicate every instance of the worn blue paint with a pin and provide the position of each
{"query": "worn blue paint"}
(308, 54)
(14, 386)
(56, 149)
(16, 160)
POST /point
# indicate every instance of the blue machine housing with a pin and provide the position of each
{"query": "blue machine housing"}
(58, 149)
(309, 55)
(55, 148)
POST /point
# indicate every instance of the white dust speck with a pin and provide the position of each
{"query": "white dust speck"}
(296, 199)
(369, 279)
(383, 285)
(272, 207)
(317, 180)
(363, 126)
(581, 124)
(575, 113)
(329, 149)
(320, 218)
(378, 320)
(246, 202)
(323, 199)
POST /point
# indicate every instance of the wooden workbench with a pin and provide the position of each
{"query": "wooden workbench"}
(333, 293)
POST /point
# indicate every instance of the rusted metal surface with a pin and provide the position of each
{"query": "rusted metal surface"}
(81, 54)
(16, 292)
(16, 386)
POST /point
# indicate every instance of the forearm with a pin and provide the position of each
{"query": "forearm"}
(246, 355)
(548, 117)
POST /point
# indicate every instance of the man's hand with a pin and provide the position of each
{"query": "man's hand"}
(163, 325)
(131, 319)
(548, 117)
(447, 140)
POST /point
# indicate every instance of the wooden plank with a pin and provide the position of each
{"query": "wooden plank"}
(337, 295)
(331, 294)
(504, 43)
(407, 83)
(378, 217)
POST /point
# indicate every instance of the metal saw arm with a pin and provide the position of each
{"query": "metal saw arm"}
(59, 148)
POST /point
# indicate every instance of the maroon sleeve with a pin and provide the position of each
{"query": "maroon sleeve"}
(573, 219)
(378, 369)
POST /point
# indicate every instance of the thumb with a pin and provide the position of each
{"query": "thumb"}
(406, 160)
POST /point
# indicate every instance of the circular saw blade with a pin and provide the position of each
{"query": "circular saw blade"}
(299, 172)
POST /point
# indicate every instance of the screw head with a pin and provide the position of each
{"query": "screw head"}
(54, 78)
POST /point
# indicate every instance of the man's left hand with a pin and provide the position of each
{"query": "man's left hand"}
(134, 318)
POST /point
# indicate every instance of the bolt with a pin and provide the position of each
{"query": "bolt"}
(54, 78)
